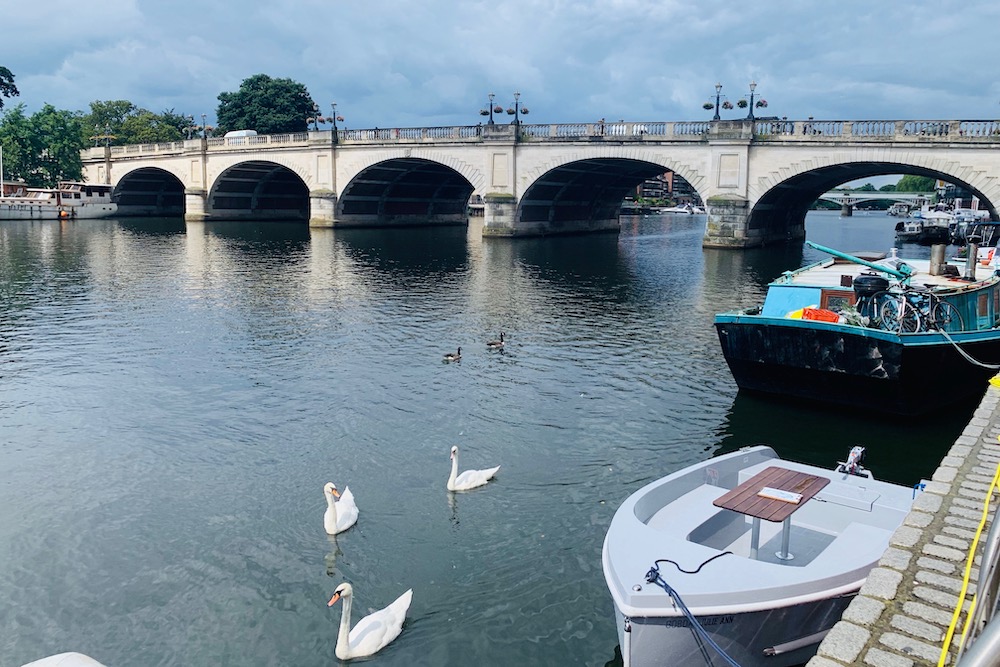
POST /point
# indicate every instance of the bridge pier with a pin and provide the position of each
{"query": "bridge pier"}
(195, 200)
(322, 208)
(846, 210)
(727, 227)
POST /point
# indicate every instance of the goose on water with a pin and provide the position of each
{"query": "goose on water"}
(373, 632)
(496, 344)
(454, 356)
(341, 511)
(469, 479)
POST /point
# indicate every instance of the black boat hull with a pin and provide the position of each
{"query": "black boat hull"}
(855, 367)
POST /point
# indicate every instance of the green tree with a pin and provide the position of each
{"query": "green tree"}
(7, 87)
(888, 187)
(18, 145)
(124, 123)
(57, 137)
(270, 106)
(911, 183)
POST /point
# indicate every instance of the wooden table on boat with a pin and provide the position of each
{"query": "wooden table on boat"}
(746, 499)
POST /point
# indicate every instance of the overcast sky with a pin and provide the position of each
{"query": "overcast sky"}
(405, 64)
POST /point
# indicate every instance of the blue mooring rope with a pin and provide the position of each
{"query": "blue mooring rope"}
(654, 577)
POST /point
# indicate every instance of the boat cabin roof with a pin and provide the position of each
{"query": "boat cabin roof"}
(840, 273)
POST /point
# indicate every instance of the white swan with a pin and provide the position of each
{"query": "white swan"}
(341, 511)
(373, 632)
(469, 479)
(496, 344)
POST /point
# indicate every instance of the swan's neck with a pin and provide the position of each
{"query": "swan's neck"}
(454, 471)
(331, 509)
(344, 636)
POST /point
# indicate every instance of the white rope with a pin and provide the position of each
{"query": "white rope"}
(968, 357)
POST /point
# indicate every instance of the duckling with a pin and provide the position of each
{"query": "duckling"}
(496, 344)
(454, 356)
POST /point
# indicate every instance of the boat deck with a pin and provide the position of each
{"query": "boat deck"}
(834, 273)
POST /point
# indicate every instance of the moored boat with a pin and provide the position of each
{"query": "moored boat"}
(70, 200)
(693, 571)
(879, 334)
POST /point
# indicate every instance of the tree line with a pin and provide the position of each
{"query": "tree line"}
(43, 148)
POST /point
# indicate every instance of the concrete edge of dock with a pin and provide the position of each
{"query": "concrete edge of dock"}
(901, 615)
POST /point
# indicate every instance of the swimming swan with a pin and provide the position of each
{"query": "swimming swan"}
(373, 632)
(469, 479)
(341, 512)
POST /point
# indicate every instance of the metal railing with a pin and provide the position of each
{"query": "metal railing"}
(758, 131)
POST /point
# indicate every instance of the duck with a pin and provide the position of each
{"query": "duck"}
(341, 511)
(496, 344)
(454, 356)
(373, 632)
(469, 479)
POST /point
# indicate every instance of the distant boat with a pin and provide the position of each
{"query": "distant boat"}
(690, 209)
(70, 200)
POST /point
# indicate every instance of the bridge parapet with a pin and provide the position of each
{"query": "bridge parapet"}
(759, 130)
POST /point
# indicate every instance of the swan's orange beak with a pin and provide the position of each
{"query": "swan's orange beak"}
(335, 493)
(333, 600)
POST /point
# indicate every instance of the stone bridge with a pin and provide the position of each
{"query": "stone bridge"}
(757, 177)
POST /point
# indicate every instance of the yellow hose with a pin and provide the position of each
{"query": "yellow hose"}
(965, 580)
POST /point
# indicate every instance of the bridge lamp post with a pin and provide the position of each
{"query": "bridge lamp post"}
(718, 94)
(488, 111)
(761, 103)
(515, 111)
(204, 127)
(333, 119)
(314, 119)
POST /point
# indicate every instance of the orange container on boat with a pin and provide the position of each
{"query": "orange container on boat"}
(820, 314)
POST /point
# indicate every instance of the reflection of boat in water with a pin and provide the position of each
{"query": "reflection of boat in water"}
(691, 567)
(838, 332)
(69, 200)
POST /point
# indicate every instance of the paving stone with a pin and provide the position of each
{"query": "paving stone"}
(938, 617)
(911, 646)
(939, 580)
(876, 657)
(945, 553)
(882, 583)
(844, 642)
(942, 566)
(820, 661)
(897, 559)
(918, 628)
(864, 610)
(946, 541)
(918, 519)
(936, 596)
(960, 533)
(945, 474)
(905, 536)
(926, 502)
(935, 488)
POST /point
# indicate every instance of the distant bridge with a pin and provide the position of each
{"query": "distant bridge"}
(757, 177)
(849, 198)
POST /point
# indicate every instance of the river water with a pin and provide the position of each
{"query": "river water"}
(173, 398)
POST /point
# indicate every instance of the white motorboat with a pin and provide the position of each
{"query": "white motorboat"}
(71, 200)
(693, 571)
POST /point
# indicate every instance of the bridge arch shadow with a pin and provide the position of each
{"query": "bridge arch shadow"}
(779, 214)
(260, 190)
(149, 191)
(584, 195)
(405, 191)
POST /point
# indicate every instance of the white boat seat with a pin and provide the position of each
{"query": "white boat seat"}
(688, 511)
(856, 549)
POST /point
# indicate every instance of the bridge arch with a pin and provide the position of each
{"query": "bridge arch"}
(406, 190)
(780, 200)
(150, 191)
(258, 189)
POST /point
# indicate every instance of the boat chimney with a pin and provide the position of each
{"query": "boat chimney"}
(937, 259)
(971, 258)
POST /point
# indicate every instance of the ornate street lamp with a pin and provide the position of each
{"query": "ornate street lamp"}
(718, 93)
(760, 104)
(516, 110)
(315, 119)
(204, 127)
(490, 109)
(333, 119)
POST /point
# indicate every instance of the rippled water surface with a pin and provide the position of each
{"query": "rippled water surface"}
(173, 398)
